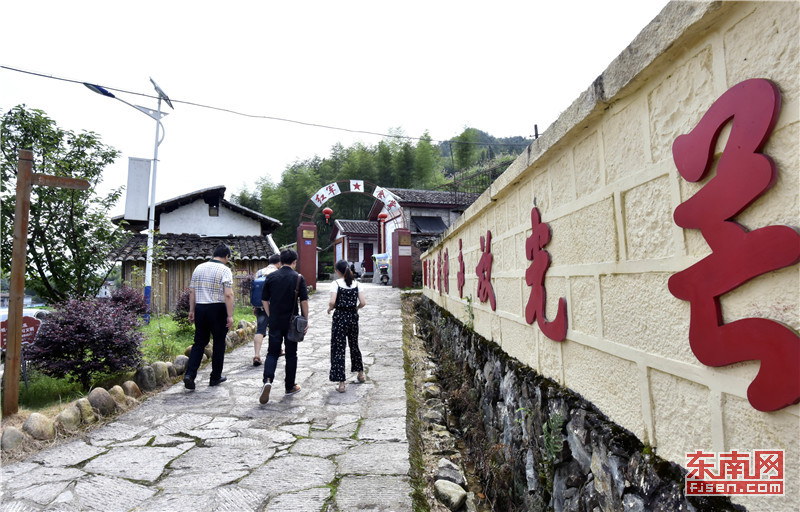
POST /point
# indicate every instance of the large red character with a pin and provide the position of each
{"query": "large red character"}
(484, 271)
(460, 275)
(428, 269)
(738, 255)
(534, 276)
(439, 272)
(446, 271)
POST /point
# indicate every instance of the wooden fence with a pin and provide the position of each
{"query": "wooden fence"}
(172, 277)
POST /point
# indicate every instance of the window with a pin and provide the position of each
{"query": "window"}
(352, 252)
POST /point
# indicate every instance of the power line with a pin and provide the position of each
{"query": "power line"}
(259, 116)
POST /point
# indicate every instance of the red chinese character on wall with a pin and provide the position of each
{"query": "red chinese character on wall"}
(534, 276)
(439, 272)
(447, 271)
(460, 275)
(428, 271)
(484, 271)
(737, 255)
(331, 190)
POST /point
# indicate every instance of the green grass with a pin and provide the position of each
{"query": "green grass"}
(43, 391)
(165, 338)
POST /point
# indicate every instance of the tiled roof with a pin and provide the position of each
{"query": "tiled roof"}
(433, 197)
(357, 227)
(188, 247)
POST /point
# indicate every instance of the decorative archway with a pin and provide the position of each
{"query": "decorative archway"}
(307, 230)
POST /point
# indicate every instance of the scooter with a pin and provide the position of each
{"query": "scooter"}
(383, 268)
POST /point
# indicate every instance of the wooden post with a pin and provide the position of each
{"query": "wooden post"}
(16, 295)
(25, 180)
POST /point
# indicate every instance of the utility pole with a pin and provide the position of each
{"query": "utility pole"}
(26, 178)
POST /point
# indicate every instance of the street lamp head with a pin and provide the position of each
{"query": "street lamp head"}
(161, 93)
(99, 90)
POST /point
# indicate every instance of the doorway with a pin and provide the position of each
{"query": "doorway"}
(368, 250)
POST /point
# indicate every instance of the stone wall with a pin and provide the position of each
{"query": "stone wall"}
(539, 445)
(603, 178)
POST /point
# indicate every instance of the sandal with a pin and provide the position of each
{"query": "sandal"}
(341, 387)
(361, 377)
(256, 361)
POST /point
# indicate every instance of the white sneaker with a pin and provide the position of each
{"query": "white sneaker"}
(264, 398)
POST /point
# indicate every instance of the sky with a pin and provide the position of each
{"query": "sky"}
(501, 66)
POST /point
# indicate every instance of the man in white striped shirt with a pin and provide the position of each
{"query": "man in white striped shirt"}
(211, 311)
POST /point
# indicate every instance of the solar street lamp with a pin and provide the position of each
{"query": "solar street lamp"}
(157, 115)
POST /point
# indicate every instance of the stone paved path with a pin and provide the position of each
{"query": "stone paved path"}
(218, 449)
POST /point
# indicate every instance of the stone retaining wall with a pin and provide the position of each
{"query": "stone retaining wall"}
(539, 445)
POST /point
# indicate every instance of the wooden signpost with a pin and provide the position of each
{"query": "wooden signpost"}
(26, 178)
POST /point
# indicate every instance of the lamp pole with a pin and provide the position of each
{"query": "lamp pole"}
(157, 115)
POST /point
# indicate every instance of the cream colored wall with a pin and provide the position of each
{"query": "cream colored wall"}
(603, 178)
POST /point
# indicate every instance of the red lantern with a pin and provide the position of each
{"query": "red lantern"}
(383, 216)
(327, 212)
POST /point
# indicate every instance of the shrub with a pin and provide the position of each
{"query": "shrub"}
(130, 299)
(83, 338)
(181, 312)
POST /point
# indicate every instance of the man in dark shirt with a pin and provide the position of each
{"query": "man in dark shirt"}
(280, 305)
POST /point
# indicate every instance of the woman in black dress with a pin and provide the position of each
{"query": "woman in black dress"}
(346, 299)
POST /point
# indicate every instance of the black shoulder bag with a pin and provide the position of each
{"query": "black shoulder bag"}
(297, 323)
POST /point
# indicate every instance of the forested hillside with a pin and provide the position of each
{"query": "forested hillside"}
(393, 162)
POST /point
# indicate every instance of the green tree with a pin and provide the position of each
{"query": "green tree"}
(274, 204)
(403, 161)
(383, 164)
(69, 233)
(393, 162)
(465, 149)
(426, 164)
(298, 183)
(248, 199)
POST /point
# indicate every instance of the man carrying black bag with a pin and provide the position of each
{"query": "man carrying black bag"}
(282, 291)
